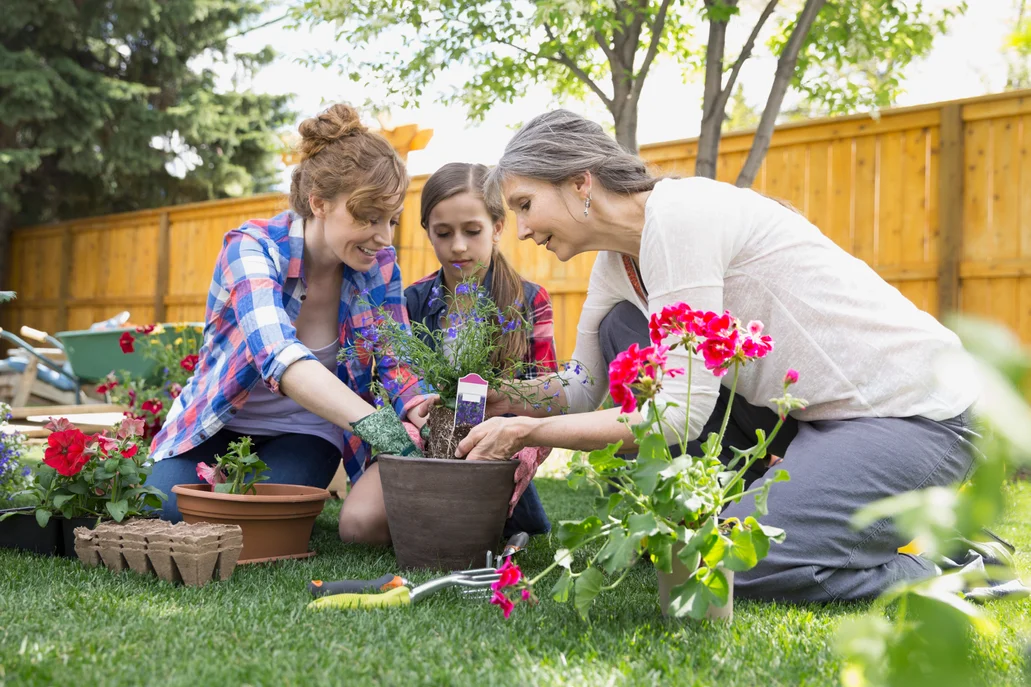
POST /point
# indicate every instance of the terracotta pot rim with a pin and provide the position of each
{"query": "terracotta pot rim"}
(304, 494)
(446, 461)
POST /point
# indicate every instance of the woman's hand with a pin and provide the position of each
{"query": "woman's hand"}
(497, 403)
(498, 438)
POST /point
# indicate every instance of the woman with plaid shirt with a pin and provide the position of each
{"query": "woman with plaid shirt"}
(464, 229)
(286, 295)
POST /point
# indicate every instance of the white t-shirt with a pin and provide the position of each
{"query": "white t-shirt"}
(861, 348)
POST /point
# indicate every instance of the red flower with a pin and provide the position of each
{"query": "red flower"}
(499, 599)
(680, 320)
(510, 576)
(131, 451)
(152, 406)
(189, 362)
(106, 444)
(66, 452)
(622, 373)
(127, 342)
(718, 352)
(755, 345)
(104, 388)
(790, 377)
(145, 329)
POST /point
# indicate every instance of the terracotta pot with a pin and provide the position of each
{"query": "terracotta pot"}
(445, 514)
(667, 581)
(276, 521)
(21, 531)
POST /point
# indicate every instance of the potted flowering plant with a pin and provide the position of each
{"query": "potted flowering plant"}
(17, 530)
(663, 507)
(172, 353)
(276, 519)
(447, 513)
(85, 478)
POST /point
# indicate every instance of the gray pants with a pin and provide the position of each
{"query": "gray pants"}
(836, 467)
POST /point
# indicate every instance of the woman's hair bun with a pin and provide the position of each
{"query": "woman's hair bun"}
(332, 124)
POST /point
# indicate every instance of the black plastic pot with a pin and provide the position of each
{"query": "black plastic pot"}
(21, 531)
(67, 527)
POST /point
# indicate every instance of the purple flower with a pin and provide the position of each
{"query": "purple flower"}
(510, 326)
(453, 318)
(452, 333)
(462, 289)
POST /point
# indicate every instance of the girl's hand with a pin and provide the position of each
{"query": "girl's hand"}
(497, 403)
(418, 410)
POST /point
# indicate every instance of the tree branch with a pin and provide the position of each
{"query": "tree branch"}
(564, 59)
(746, 52)
(782, 79)
(653, 48)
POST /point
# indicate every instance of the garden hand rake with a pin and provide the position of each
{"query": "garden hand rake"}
(399, 594)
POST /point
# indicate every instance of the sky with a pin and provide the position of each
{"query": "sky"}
(967, 61)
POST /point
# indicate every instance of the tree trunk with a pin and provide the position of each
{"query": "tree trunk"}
(626, 126)
(785, 71)
(6, 225)
(712, 113)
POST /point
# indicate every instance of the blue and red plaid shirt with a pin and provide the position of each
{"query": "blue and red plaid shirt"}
(249, 336)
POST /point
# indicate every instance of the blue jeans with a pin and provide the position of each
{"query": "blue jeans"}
(528, 515)
(291, 458)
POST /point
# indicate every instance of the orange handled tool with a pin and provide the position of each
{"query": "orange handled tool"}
(318, 588)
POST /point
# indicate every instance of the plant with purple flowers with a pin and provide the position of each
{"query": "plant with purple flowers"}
(14, 475)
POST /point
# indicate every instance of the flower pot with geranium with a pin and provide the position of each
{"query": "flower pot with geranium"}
(86, 478)
(662, 507)
(276, 519)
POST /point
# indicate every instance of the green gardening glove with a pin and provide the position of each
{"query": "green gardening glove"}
(384, 431)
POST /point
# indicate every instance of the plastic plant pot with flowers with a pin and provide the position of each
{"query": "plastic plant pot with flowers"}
(443, 512)
(84, 479)
(276, 519)
(660, 507)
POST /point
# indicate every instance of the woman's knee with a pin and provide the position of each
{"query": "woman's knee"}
(622, 326)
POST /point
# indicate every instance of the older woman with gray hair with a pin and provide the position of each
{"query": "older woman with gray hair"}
(879, 422)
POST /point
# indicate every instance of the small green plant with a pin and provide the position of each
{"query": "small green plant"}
(236, 471)
(15, 476)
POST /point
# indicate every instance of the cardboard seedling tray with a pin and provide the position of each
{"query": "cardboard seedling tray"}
(193, 554)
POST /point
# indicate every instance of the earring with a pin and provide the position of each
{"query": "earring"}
(587, 204)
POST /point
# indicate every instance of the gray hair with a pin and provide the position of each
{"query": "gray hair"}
(560, 145)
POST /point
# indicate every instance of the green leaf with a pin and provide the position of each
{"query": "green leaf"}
(571, 534)
(716, 550)
(619, 552)
(718, 585)
(223, 488)
(646, 473)
(643, 524)
(42, 516)
(564, 585)
(76, 488)
(764, 492)
(605, 460)
(117, 509)
(564, 558)
(588, 586)
(607, 505)
(660, 551)
(742, 553)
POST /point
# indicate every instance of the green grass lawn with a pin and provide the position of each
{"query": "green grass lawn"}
(61, 623)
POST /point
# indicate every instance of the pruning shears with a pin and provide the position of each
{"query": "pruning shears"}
(394, 590)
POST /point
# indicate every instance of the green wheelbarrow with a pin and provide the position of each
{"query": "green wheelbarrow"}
(95, 354)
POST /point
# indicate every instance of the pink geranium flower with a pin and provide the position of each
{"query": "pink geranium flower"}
(791, 377)
(499, 599)
(510, 576)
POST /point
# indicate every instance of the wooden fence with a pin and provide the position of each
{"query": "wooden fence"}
(936, 198)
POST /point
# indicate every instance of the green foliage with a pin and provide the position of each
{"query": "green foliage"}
(240, 468)
(14, 474)
(930, 639)
(85, 87)
(464, 344)
(856, 53)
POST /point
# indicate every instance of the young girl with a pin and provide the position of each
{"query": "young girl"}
(464, 228)
(287, 292)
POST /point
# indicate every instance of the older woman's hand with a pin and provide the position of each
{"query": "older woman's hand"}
(498, 438)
